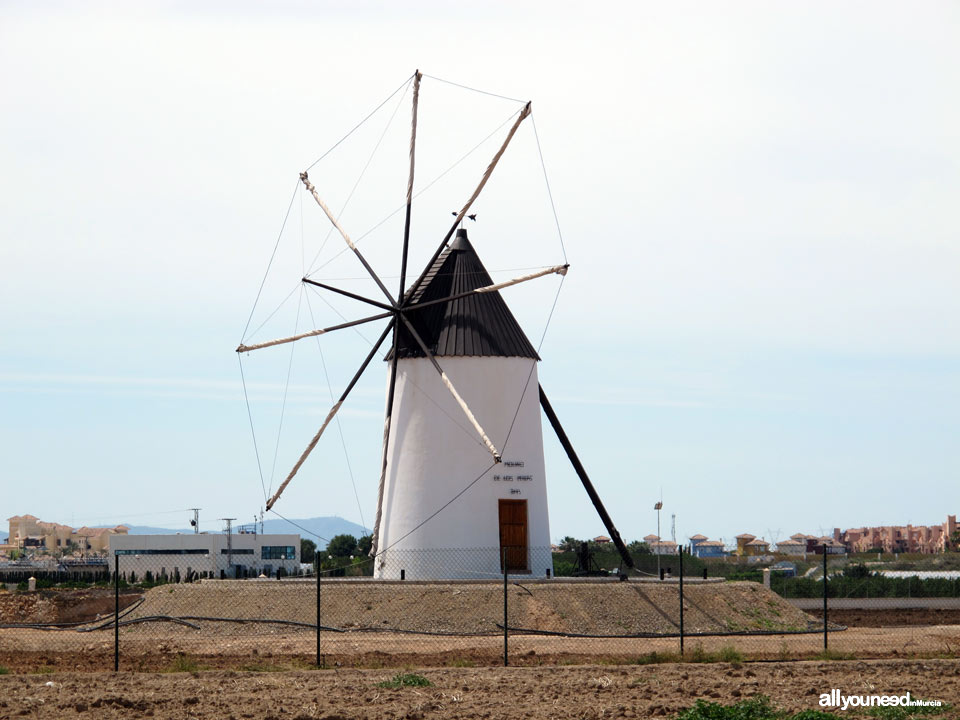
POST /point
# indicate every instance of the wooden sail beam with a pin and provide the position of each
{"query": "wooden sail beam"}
(346, 293)
(453, 391)
(403, 278)
(556, 269)
(323, 206)
(313, 333)
(582, 474)
(333, 411)
(483, 181)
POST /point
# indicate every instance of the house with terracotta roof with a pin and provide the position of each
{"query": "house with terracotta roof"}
(659, 546)
(743, 539)
(708, 549)
(757, 546)
(792, 546)
(830, 546)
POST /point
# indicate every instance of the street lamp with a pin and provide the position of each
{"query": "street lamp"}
(658, 507)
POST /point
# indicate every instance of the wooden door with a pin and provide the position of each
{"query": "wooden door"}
(513, 535)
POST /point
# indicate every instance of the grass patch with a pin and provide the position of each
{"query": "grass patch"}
(462, 662)
(4, 670)
(727, 653)
(183, 663)
(758, 708)
(655, 658)
(405, 680)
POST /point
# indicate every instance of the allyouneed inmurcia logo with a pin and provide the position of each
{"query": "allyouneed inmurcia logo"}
(835, 698)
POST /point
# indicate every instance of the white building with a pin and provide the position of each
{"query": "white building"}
(446, 510)
(213, 555)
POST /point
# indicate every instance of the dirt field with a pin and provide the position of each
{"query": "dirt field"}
(162, 647)
(588, 692)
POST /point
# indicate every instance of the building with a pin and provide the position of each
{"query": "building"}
(757, 546)
(433, 454)
(785, 568)
(28, 531)
(830, 546)
(708, 549)
(926, 539)
(793, 546)
(206, 555)
(660, 547)
(744, 539)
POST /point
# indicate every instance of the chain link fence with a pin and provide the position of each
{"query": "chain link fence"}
(455, 607)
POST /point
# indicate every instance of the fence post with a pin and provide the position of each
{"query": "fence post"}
(505, 633)
(116, 612)
(319, 657)
(825, 597)
(681, 602)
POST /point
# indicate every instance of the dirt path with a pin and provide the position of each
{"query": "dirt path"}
(587, 692)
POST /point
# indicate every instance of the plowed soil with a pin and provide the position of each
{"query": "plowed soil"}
(584, 692)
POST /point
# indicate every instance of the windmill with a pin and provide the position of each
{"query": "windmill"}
(462, 375)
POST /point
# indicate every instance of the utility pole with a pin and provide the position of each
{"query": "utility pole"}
(196, 520)
(658, 507)
(228, 521)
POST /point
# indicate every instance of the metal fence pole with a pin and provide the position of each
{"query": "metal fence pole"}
(681, 602)
(825, 597)
(319, 656)
(505, 633)
(116, 612)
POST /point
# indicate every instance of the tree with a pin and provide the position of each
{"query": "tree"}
(364, 544)
(308, 550)
(638, 547)
(857, 571)
(342, 545)
(569, 544)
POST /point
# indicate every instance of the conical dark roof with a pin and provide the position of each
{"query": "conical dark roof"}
(479, 325)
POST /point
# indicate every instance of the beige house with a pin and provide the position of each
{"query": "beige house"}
(28, 531)
(660, 547)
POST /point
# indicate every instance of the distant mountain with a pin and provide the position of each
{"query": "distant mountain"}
(318, 529)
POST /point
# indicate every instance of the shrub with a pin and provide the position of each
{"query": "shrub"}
(405, 680)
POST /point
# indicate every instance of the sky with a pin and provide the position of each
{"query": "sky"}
(757, 202)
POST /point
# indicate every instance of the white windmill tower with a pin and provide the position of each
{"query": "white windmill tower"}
(431, 452)
(462, 489)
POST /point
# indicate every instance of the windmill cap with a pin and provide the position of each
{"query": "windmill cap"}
(460, 242)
